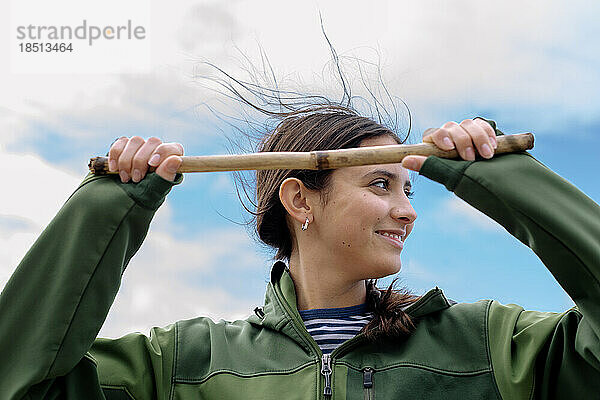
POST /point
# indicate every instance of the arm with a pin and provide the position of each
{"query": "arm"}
(58, 297)
(530, 351)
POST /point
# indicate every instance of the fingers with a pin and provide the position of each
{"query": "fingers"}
(467, 137)
(163, 151)
(125, 160)
(139, 163)
(115, 152)
(132, 156)
(441, 137)
(488, 130)
(167, 160)
(413, 163)
(168, 168)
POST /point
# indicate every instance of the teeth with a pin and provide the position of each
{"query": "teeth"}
(392, 235)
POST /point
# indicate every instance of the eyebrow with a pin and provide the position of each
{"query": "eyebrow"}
(387, 173)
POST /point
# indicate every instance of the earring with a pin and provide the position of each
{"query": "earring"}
(305, 225)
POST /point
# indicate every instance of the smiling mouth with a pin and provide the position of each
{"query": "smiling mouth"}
(393, 238)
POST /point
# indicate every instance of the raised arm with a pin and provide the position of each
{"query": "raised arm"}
(545, 353)
(58, 297)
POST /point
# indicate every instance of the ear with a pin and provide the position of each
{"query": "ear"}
(297, 199)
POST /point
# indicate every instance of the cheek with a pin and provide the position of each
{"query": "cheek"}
(351, 223)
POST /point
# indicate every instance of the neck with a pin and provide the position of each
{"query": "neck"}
(319, 287)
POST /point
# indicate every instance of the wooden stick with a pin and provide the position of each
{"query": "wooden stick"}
(327, 159)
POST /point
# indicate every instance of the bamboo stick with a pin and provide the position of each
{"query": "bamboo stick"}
(327, 159)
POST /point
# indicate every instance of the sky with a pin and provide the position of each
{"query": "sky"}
(531, 67)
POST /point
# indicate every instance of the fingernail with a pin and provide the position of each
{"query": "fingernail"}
(448, 142)
(486, 151)
(494, 142)
(112, 165)
(137, 175)
(154, 160)
(469, 154)
(124, 176)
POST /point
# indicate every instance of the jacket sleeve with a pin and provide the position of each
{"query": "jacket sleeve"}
(58, 297)
(536, 354)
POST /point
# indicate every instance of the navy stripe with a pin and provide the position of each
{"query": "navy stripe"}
(341, 312)
(316, 323)
(344, 331)
(330, 327)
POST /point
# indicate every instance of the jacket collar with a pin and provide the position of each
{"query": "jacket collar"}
(280, 308)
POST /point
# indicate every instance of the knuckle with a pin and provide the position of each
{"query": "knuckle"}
(486, 126)
(429, 131)
(161, 148)
(462, 137)
(137, 140)
(449, 124)
(441, 132)
(172, 148)
(119, 143)
(154, 140)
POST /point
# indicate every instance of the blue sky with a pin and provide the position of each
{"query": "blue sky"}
(531, 71)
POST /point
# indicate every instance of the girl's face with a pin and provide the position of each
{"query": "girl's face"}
(367, 217)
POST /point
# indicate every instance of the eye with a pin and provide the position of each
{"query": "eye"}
(409, 193)
(381, 183)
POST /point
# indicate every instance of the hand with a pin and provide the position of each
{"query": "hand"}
(132, 156)
(469, 135)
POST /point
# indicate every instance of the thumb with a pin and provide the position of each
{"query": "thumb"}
(168, 168)
(413, 162)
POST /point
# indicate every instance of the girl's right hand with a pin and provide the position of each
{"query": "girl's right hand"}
(132, 156)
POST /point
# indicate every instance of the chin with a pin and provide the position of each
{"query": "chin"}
(383, 269)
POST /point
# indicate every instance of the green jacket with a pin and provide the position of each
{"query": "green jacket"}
(57, 299)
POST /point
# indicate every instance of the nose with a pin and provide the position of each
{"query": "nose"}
(403, 211)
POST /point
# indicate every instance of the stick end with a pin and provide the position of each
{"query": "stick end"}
(98, 165)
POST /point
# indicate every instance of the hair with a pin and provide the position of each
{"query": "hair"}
(307, 123)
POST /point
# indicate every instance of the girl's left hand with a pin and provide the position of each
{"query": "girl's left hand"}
(465, 137)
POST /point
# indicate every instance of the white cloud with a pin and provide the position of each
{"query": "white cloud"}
(169, 279)
(436, 57)
(37, 188)
(163, 283)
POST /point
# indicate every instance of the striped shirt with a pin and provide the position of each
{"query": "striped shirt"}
(331, 327)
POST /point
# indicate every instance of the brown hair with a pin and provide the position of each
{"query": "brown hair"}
(324, 128)
(311, 123)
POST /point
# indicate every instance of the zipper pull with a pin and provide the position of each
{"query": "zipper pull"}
(368, 378)
(368, 383)
(326, 372)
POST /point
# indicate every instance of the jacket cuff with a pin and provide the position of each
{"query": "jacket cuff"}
(151, 191)
(444, 171)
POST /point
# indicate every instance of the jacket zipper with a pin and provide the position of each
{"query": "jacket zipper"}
(326, 359)
(369, 390)
(326, 372)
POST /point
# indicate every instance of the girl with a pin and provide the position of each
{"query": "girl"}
(325, 330)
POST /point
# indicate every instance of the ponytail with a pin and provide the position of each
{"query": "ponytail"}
(389, 319)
